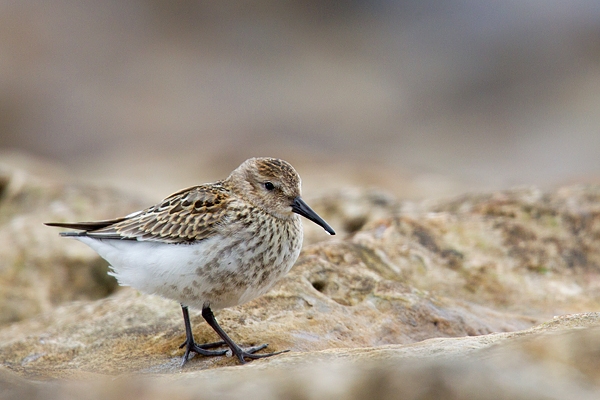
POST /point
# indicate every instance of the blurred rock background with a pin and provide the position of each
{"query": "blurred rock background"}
(422, 98)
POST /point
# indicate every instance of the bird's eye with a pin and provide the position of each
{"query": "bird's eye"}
(269, 186)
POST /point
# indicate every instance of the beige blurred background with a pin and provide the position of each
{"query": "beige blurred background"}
(421, 98)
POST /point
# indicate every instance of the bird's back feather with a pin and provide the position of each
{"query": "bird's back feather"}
(189, 215)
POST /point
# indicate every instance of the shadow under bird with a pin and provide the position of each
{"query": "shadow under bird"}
(210, 246)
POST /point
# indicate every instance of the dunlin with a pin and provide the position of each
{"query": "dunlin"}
(210, 246)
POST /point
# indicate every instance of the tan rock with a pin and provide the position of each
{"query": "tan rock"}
(413, 300)
(521, 250)
(518, 365)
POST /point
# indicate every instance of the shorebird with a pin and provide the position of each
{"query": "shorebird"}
(210, 246)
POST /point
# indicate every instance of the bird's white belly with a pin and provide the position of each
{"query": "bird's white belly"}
(217, 272)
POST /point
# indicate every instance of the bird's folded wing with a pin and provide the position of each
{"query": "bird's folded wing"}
(186, 216)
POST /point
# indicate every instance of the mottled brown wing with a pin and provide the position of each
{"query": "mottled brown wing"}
(189, 215)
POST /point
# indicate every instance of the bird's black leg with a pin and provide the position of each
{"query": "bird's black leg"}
(191, 345)
(237, 350)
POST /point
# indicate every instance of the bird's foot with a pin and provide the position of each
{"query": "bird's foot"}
(192, 347)
(205, 345)
(248, 352)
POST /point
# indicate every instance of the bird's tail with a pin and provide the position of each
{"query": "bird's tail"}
(83, 226)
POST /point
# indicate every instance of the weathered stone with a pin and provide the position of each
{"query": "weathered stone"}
(520, 251)
(557, 360)
(414, 300)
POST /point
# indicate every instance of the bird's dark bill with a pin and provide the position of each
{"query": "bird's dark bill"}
(301, 208)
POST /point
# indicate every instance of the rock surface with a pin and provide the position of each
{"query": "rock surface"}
(521, 250)
(414, 300)
(556, 360)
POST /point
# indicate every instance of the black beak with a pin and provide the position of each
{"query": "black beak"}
(301, 208)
